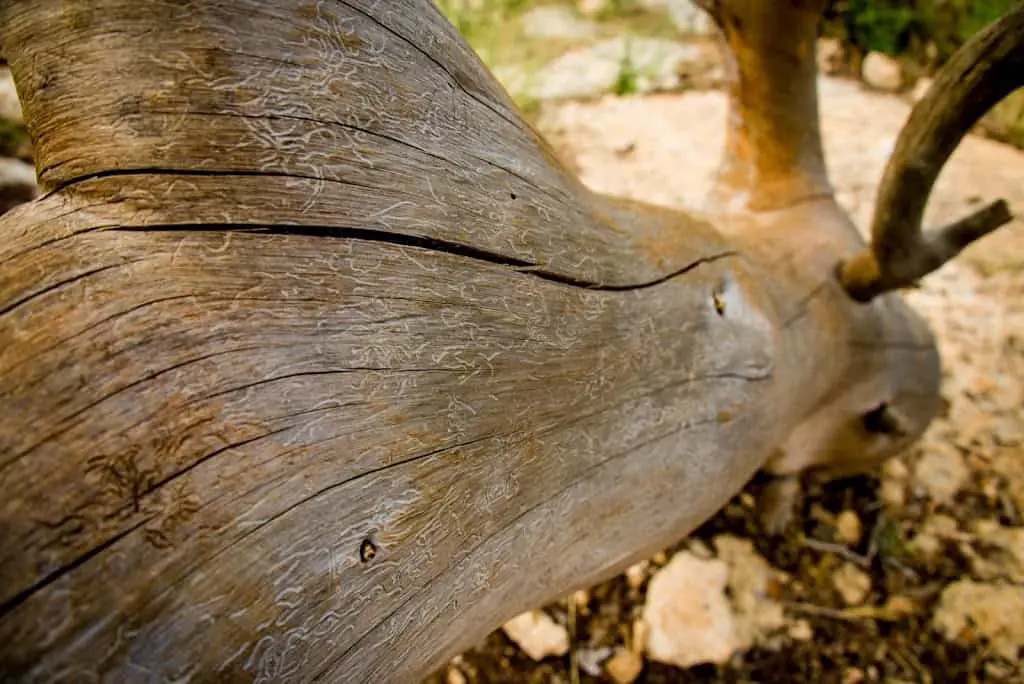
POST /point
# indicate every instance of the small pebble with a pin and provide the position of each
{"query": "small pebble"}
(853, 675)
(636, 574)
(625, 666)
(454, 676)
(590, 659)
(852, 583)
(537, 634)
(581, 599)
(801, 630)
(848, 527)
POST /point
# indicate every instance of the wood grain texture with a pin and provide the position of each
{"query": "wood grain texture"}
(316, 363)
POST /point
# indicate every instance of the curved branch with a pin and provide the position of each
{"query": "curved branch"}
(982, 72)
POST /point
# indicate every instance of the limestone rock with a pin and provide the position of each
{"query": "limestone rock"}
(882, 72)
(537, 634)
(801, 630)
(753, 584)
(688, 614)
(968, 610)
(625, 666)
(691, 619)
(852, 583)
(647, 63)
(1005, 555)
(557, 22)
(590, 659)
(941, 472)
(848, 527)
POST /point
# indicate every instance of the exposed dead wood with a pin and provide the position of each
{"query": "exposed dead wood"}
(982, 72)
(773, 156)
(317, 364)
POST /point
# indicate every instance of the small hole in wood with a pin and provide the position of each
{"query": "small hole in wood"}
(512, 195)
(716, 299)
(882, 421)
(367, 551)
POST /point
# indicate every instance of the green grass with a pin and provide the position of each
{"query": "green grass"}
(908, 27)
(493, 29)
(625, 82)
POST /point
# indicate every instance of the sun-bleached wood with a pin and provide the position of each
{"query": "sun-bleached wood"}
(317, 364)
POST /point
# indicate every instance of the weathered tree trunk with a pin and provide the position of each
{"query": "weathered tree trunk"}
(317, 364)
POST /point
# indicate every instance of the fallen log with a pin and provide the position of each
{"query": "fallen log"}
(318, 364)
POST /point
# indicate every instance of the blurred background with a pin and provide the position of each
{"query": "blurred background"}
(534, 45)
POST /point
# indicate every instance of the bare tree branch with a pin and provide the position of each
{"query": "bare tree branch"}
(773, 152)
(981, 73)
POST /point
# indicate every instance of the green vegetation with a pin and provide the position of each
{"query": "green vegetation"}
(625, 82)
(490, 26)
(925, 30)
(922, 33)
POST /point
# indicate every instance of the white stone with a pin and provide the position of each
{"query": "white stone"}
(801, 630)
(537, 634)
(590, 659)
(848, 527)
(852, 583)
(882, 72)
(992, 611)
(941, 472)
(636, 574)
(625, 666)
(593, 71)
(751, 581)
(454, 676)
(556, 21)
(704, 610)
(688, 614)
(1006, 557)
